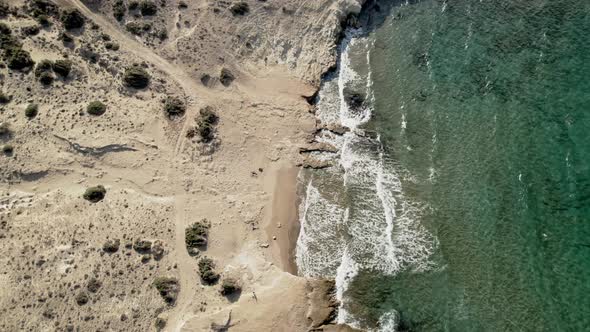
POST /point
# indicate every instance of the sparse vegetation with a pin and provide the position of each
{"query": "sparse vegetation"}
(65, 37)
(43, 72)
(40, 8)
(196, 235)
(7, 149)
(18, 59)
(239, 9)
(136, 77)
(96, 108)
(174, 106)
(119, 10)
(168, 288)
(93, 285)
(142, 246)
(43, 20)
(133, 5)
(46, 78)
(111, 246)
(82, 298)
(62, 67)
(160, 323)
(206, 123)
(43, 66)
(4, 129)
(230, 286)
(226, 77)
(148, 8)
(4, 9)
(207, 271)
(31, 30)
(31, 111)
(111, 46)
(136, 28)
(95, 194)
(4, 98)
(72, 19)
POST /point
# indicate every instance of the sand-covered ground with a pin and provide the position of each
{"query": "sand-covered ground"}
(59, 268)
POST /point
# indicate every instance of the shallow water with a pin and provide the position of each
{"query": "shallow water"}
(461, 198)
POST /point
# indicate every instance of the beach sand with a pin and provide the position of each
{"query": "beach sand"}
(284, 220)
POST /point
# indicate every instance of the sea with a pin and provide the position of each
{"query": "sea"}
(459, 200)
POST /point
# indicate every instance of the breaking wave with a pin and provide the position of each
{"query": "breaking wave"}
(354, 216)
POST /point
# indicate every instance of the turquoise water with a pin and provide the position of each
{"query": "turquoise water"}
(485, 105)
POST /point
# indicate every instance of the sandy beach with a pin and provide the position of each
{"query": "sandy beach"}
(283, 224)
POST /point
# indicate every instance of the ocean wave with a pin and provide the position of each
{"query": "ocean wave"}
(355, 216)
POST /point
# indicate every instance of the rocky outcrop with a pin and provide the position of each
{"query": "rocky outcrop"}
(322, 303)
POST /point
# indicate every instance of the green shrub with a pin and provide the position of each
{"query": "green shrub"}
(142, 246)
(4, 29)
(196, 235)
(148, 8)
(111, 46)
(62, 67)
(82, 298)
(111, 246)
(43, 66)
(135, 28)
(31, 30)
(96, 108)
(119, 10)
(136, 77)
(95, 194)
(7, 149)
(160, 323)
(230, 286)
(162, 34)
(42, 8)
(4, 98)
(168, 288)
(43, 20)
(206, 124)
(65, 37)
(173, 106)
(72, 19)
(4, 9)
(31, 111)
(133, 5)
(207, 271)
(93, 285)
(18, 59)
(46, 78)
(239, 9)
(4, 129)
(226, 77)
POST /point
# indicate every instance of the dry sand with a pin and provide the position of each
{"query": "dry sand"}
(283, 225)
(159, 180)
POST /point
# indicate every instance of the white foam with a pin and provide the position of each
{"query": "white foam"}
(367, 223)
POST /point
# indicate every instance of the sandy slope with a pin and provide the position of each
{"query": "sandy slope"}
(243, 182)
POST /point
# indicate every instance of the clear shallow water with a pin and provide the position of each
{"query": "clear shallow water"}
(461, 199)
